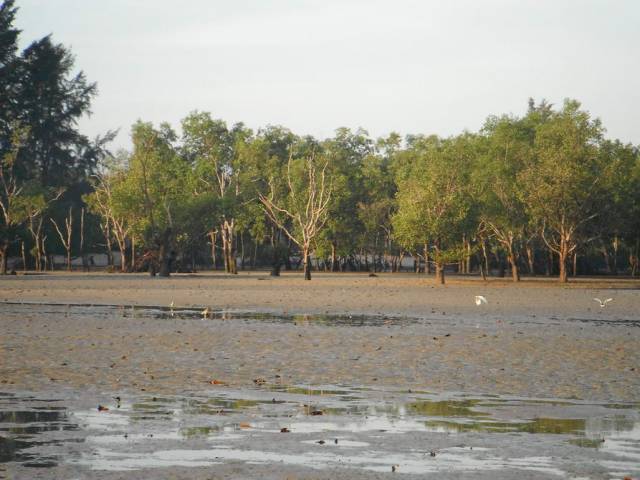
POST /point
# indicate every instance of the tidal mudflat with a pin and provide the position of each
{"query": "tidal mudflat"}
(324, 431)
(452, 390)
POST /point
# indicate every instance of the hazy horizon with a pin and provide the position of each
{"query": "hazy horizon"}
(408, 66)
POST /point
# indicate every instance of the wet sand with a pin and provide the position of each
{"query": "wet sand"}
(392, 333)
(537, 339)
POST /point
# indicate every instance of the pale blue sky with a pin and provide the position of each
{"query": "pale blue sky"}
(407, 66)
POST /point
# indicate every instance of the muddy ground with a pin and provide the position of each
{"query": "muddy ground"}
(392, 333)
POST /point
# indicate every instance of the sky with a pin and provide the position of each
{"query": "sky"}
(430, 66)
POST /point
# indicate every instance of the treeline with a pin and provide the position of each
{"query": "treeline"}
(543, 193)
(45, 162)
(540, 194)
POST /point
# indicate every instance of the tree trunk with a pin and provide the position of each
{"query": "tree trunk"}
(562, 260)
(123, 259)
(511, 256)
(24, 257)
(122, 246)
(133, 254)
(107, 237)
(482, 272)
(276, 262)
(69, 259)
(165, 255)
(333, 256)
(635, 258)
(242, 251)
(563, 278)
(439, 264)
(616, 245)
(425, 252)
(575, 264)
(440, 273)
(228, 246)
(515, 274)
(501, 264)
(225, 251)
(307, 263)
(47, 261)
(287, 258)
(4, 249)
(607, 260)
(485, 257)
(530, 260)
(39, 249)
(39, 257)
(213, 236)
(255, 254)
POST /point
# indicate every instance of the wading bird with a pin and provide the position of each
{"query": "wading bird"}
(480, 300)
(603, 303)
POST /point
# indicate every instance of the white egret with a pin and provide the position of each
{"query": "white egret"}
(480, 300)
(603, 303)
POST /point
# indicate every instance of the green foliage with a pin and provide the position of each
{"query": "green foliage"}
(561, 187)
(433, 195)
(548, 169)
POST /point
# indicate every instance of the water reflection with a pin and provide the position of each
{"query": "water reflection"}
(176, 313)
(20, 431)
(350, 426)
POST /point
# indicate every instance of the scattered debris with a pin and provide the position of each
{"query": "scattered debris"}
(259, 381)
(285, 430)
(217, 382)
(102, 408)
